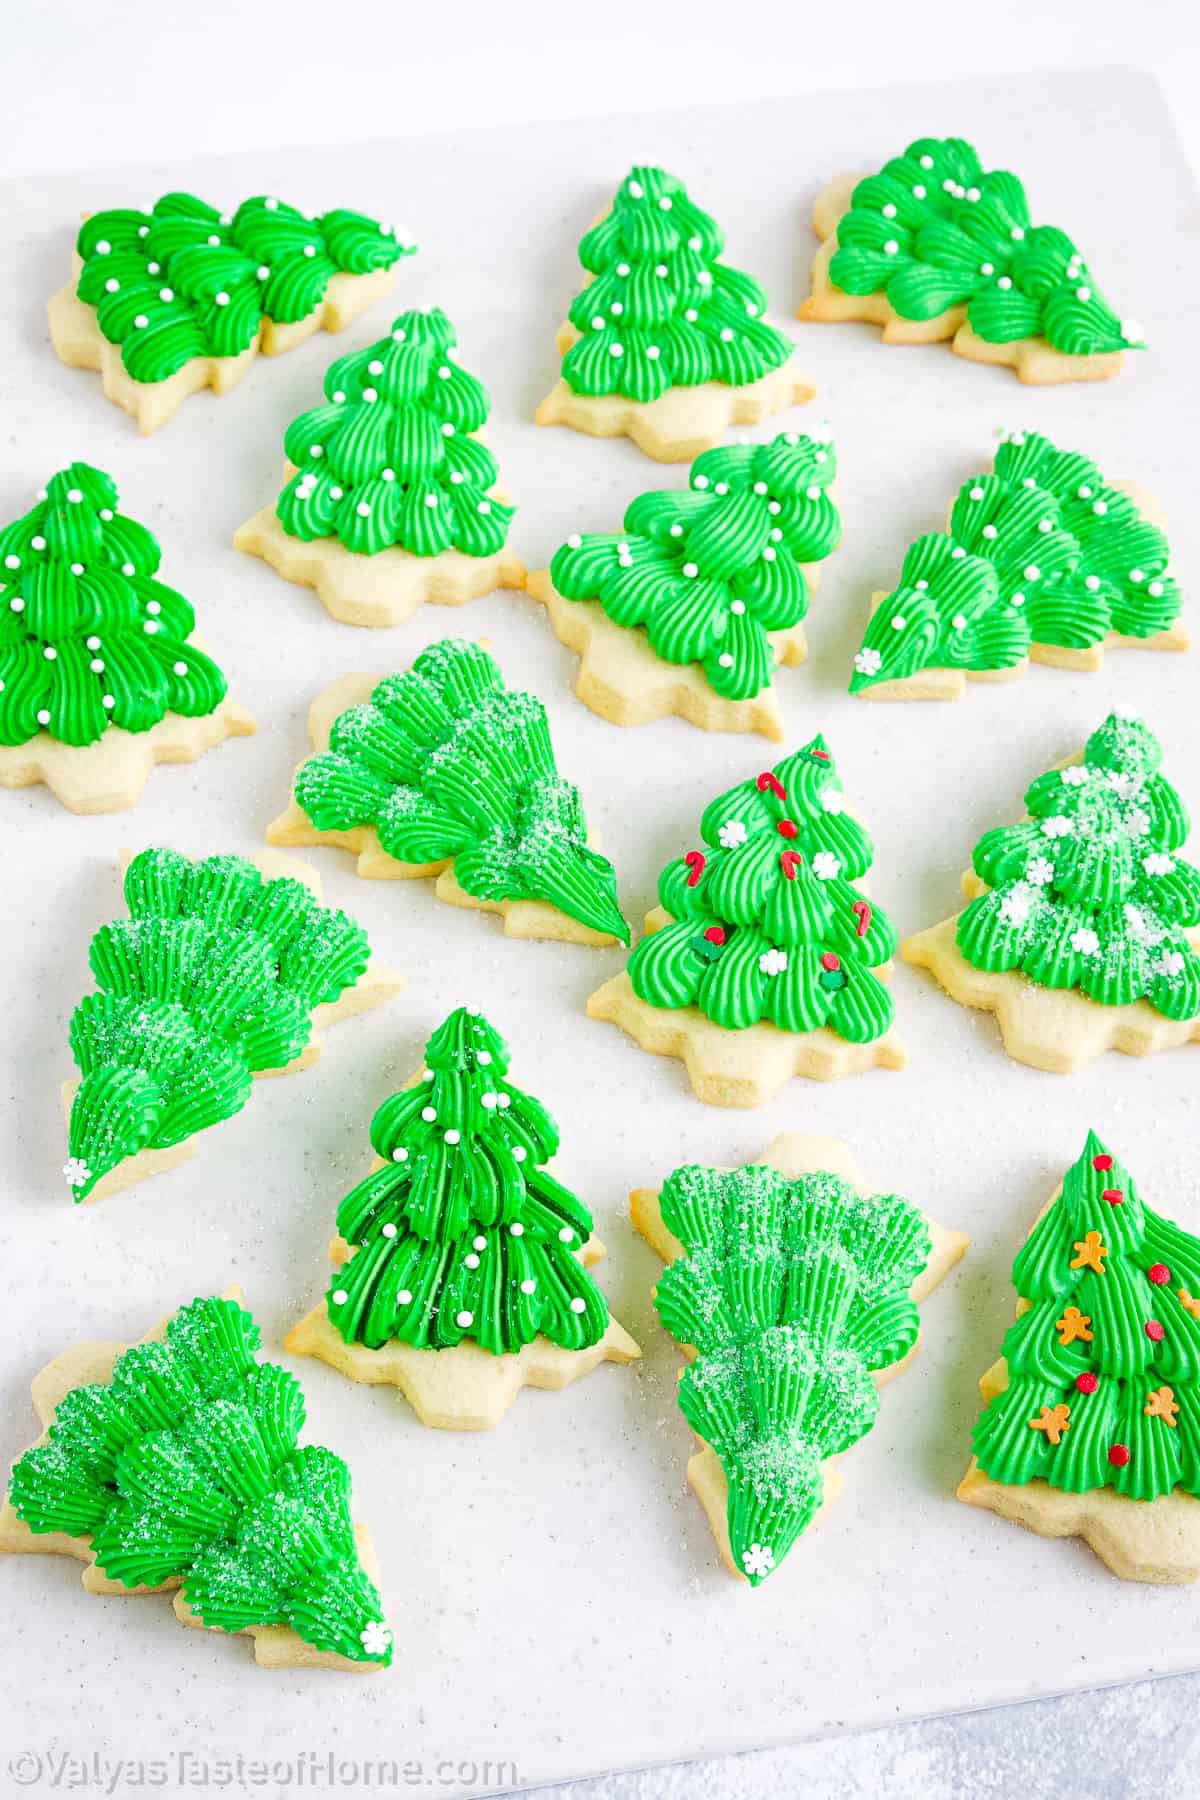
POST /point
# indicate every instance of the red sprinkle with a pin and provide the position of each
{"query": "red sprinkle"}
(695, 860)
(1159, 1274)
(1154, 1331)
(789, 861)
(862, 911)
(1114, 1196)
(829, 960)
(1118, 1456)
(822, 754)
(767, 780)
(788, 828)
(1102, 1162)
(715, 934)
(1087, 1383)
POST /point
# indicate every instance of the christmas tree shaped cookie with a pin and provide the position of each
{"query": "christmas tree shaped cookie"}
(764, 959)
(181, 298)
(444, 771)
(461, 1262)
(100, 677)
(690, 608)
(666, 344)
(1083, 926)
(220, 973)
(1091, 1420)
(1044, 560)
(174, 1465)
(390, 497)
(933, 247)
(792, 1290)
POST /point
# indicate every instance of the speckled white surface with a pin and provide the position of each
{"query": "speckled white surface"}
(554, 1587)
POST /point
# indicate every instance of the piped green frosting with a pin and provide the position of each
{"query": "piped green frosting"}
(709, 571)
(1106, 1360)
(765, 920)
(88, 637)
(662, 310)
(185, 280)
(390, 460)
(446, 763)
(185, 1467)
(933, 230)
(463, 1234)
(1040, 551)
(1089, 892)
(214, 976)
(794, 1293)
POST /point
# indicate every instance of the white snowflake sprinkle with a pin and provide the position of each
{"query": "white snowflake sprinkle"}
(77, 1172)
(1158, 863)
(868, 662)
(825, 865)
(773, 962)
(759, 1559)
(1076, 775)
(375, 1638)
(732, 833)
(1057, 826)
(1039, 871)
(1084, 941)
(1170, 965)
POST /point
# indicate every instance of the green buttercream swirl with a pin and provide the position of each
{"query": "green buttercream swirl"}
(794, 1293)
(1040, 551)
(390, 459)
(214, 976)
(88, 637)
(447, 764)
(765, 922)
(662, 310)
(185, 280)
(463, 1234)
(1117, 1346)
(933, 231)
(184, 1467)
(1089, 892)
(709, 571)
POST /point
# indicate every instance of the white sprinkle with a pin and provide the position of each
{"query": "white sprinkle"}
(339, 1296)
(463, 1319)
(578, 1304)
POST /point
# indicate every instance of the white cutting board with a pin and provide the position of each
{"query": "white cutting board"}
(555, 1591)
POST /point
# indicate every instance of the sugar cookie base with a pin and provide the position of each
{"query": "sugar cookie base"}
(1034, 360)
(1139, 1540)
(520, 918)
(375, 987)
(1056, 1029)
(110, 775)
(76, 335)
(381, 590)
(793, 1154)
(745, 1067)
(626, 682)
(462, 1388)
(681, 423)
(275, 1646)
(951, 684)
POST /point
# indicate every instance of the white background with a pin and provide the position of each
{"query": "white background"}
(80, 90)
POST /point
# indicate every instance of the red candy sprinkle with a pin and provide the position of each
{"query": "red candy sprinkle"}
(787, 828)
(1087, 1383)
(1102, 1162)
(695, 860)
(1154, 1331)
(789, 861)
(767, 780)
(862, 912)
(715, 934)
(1118, 1456)
(830, 961)
(1114, 1196)
(822, 755)
(1159, 1274)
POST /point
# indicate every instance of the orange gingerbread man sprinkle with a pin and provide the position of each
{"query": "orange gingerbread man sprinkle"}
(1074, 1325)
(1091, 1253)
(1161, 1404)
(1190, 1301)
(1053, 1420)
